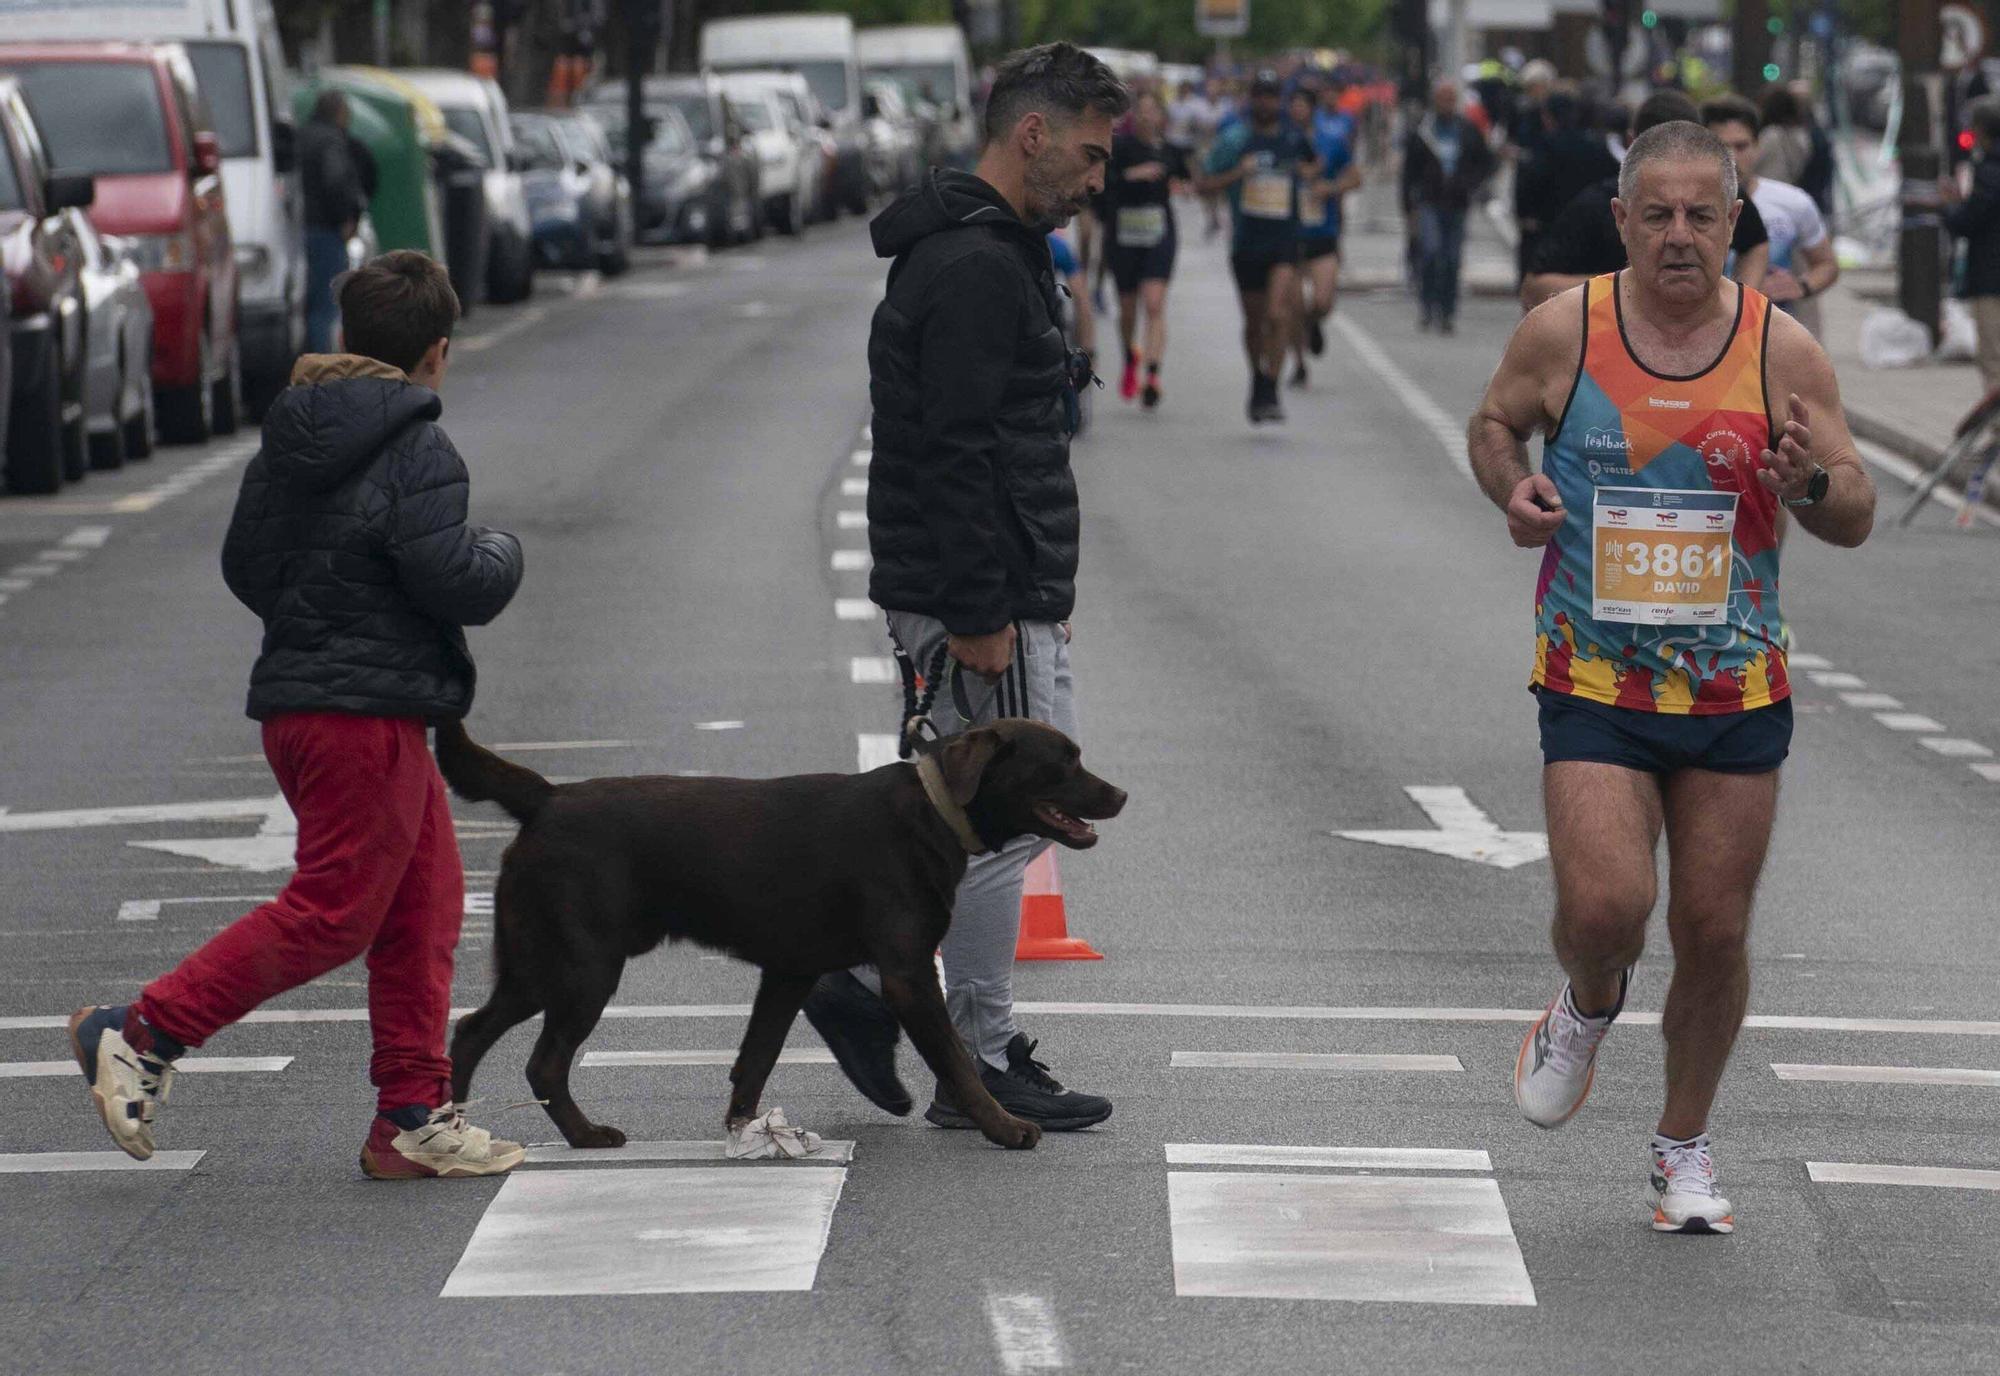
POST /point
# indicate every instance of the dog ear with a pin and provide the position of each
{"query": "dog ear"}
(963, 759)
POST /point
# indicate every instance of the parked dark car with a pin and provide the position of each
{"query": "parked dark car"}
(42, 253)
(729, 197)
(579, 206)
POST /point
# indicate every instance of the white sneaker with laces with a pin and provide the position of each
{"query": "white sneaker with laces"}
(128, 1086)
(1684, 1194)
(1558, 1059)
(446, 1146)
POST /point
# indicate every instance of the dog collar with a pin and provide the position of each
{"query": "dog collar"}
(947, 807)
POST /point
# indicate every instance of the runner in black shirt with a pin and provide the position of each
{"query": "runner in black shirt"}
(1139, 187)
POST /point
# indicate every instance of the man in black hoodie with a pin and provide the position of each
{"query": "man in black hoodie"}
(972, 520)
(349, 540)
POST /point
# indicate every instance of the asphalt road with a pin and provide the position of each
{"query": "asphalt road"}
(1279, 633)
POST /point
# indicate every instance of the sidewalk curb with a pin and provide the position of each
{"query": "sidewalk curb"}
(1892, 436)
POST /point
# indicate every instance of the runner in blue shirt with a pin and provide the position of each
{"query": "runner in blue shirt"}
(1319, 219)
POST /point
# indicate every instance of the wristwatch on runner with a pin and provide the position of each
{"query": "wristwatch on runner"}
(1816, 488)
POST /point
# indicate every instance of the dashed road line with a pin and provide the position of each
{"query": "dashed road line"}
(1830, 678)
(850, 520)
(1025, 1333)
(854, 487)
(809, 1055)
(211, 1065)
(1310, 1060)
(1934, 1177)
(1872, 702)
(1887, 1075)
(871, 669)
(51, 1162)
(861, 458)
(854, 609)
(1955, 747)
(850, 561)
(1908, 721)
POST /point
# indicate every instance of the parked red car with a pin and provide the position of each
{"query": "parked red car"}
(130, 116)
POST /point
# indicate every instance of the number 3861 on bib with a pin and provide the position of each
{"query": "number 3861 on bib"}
(1661, 557)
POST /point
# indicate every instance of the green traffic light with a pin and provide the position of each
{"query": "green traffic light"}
(1775, 24)
(1771, 72)
(1650, 19)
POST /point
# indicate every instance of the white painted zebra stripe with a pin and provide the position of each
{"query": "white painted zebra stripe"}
(809, 1055)
(1799, 660)
(64, 1162)
(1025, 1333)
(1908, 721)
(1825, 678)
(853, 609)
(854, 487)
(1449, 433)
(1309, 1060)
(851, 520)
(1873, 702)
(1343, 1158)
(1934, 1177)
(861, 458)
(197, 1065)
(139, 910)
(833, 1153)
(872, 750)
(871, 669)
(1954, 747)
(1887, 1075)
(851, 561)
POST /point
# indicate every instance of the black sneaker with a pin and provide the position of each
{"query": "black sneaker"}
(1026, 1090)
(1315, 338)
(1264, 403)
(862, 1034)
(1300, 377)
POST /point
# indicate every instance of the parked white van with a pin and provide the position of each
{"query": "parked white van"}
(240, 68)
(932, 62)
(820, 47)
(475, 109)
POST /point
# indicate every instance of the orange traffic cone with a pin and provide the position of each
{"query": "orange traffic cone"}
(1044, 925)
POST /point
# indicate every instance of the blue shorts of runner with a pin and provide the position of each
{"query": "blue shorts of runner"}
(1752, 742)
(1131, 266)
(1253, 266)
(1314, 247)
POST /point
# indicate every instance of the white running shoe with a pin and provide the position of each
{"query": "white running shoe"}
(446, 1146)
(127, 1085)
(1558, 1059)
(1684, 1194)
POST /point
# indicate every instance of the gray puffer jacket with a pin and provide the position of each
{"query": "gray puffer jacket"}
(349, 539)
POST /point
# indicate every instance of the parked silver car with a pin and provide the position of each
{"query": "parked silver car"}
(118, 373)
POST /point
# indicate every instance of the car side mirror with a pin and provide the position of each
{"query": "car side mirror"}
(284, 147)
(207, 154)
(67, 192)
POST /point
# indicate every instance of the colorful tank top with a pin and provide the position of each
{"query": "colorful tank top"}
(1660, 591)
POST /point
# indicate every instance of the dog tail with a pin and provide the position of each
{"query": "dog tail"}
(478, 775)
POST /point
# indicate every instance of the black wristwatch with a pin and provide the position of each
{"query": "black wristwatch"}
(1816, 489)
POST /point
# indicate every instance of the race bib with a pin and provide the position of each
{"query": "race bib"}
(1142, 226)
(1267, 195)
(1312, 204)
(1661, 557)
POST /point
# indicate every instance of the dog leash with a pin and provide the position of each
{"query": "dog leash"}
(917, 706)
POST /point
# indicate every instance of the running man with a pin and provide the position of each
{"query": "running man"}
(1802, 264)
(1681, 413)
(1332, 135)
(1260, 162)
(1145, 170)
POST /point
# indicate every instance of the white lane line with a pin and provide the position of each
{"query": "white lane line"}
(35, 570)
(16, 584)
(861, 458)
(1799, 660)
(1449, 433)
(1887, 1075)
(212, 1065)
(87, 537)
(526, 320)
(1954, 747)
(1398, 1239)
(40, 1162)
(694, 1230)
(718, 726)
(1349, 1158)
(810, 1055)
(1309, 1060)
(851, 561)
(1908, 721)
(872, 750)
(61, 556)
(1874, 702)
(831, 1153)
(1988, 772)
(1829, 679)
(148, 909)
(1936, 1177)
(1912, 1027)
(851, 520)
(871, 669)
(1025, 1333)
(854, 487)
(853, 609)
(139, 910)
(1909, 474)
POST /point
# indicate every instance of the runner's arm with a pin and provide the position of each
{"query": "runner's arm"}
(1815, 432)
(1514, 408)
(1752, 264)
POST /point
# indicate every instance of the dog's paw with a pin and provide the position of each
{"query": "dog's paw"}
(598, 1135)
(1016, 1134)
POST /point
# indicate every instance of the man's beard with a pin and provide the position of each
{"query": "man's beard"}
(1047, 208)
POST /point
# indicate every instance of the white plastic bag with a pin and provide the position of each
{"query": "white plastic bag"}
(1961, 336)
(770, 1136)
(1890, 339)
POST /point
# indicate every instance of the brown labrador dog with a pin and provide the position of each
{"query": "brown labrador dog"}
(799, 876)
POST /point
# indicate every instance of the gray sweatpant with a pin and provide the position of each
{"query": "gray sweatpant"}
(978, 950)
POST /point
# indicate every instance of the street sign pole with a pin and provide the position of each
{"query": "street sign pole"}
(1919, 250)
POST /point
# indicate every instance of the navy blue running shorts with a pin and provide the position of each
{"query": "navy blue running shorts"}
(1752, 742)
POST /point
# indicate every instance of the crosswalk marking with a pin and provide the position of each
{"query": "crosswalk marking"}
(65, 1162)
(1887, 1075)
(1873, 702)
(853, 609)
(871, 669)
(1934, 1177)
(850, 561)
(1908, 721)
(1406, 1239)
(197, 1065)
(810, 1055)
(1352, 1158)
(1309, 1060)
(831, 1153)
(691, 1230)
(851, 520)
(854, 487)
(1025, 1333)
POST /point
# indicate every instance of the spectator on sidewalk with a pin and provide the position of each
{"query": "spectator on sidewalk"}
(1975, 218)
(1802, 264)
(1555, 170)
(349, 541)
(1584, 242)
(1445, 162)
(1817, 178)
(1784, 147)
(334, 191)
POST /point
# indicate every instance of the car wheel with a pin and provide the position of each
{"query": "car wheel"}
(791, 222)
(228, 404)
(107, 447)
(34, 434)
(138, 427)
(187, 414)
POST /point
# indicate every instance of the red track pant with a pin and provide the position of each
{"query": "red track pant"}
(378, 873)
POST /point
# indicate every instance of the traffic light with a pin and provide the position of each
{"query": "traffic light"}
(1649, 19)
(1771, 71)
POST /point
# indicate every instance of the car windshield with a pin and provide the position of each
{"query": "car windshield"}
(700, 119)
(936, 82)
(669, 134)
(101, 118)
(465, 122)
(756, 115)
(828, 80)
(222, 70)
(536, 146)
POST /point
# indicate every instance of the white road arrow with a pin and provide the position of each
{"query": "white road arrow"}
(270, 849)
(1461, 831)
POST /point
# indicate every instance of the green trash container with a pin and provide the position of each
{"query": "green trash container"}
(399, 126)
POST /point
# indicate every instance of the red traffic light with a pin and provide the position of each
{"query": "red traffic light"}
(1965, 140)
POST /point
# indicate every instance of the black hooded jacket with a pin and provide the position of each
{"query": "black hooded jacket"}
(349, 539)
(972, 514)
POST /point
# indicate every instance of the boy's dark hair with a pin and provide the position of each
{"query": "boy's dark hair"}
(395, 307)
(1730, 110)
(1664, 107)
(1060, 80)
